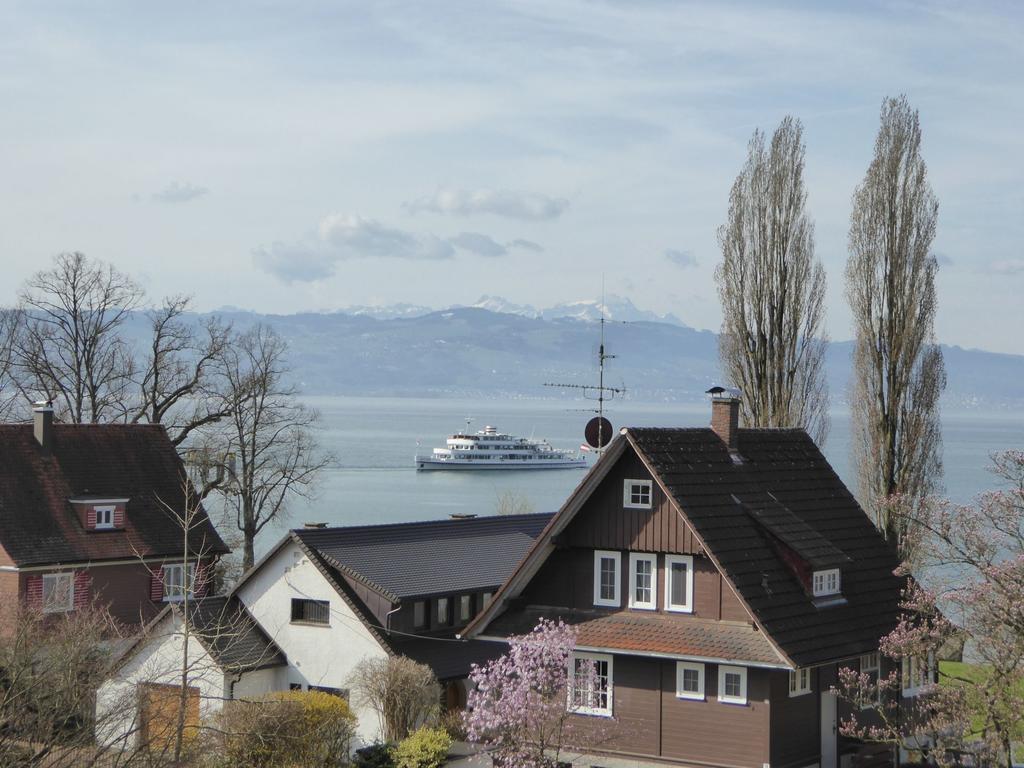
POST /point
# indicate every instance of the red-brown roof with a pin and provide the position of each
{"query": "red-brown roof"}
(38, 525)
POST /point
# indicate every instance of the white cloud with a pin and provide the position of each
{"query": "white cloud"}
(684, 259)
(526, 245)
(176, 192)
(498, 202)
(1007, 266)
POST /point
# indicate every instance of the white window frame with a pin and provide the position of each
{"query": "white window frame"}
(107, 510)
(188, 581)
(820, 583)
(627, 494)
(872, 662)
(918, 679)
(688, 561)
(635, 558)
(52, 578)
(600, 554)
(799, 682)
(723, 697)
(587, 710)
(681, 693)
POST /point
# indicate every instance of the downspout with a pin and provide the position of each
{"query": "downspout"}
(387, 618)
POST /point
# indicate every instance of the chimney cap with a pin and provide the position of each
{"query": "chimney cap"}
(314, 525)
(42, 405)
(462, 515)
(724, 393)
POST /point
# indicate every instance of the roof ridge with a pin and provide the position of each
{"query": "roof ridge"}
(417, 523)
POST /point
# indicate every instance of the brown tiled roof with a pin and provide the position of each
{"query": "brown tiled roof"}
(37, 523)
(699, 473)
(649, 633)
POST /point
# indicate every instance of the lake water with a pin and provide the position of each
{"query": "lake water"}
(375, 439)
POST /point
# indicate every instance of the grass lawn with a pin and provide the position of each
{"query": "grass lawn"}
(952, 672)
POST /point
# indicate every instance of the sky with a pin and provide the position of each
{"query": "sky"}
(309, 156)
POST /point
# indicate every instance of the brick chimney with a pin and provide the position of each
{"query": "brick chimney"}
(42, 424)
(725, 415)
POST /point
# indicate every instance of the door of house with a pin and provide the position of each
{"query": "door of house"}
(158, 715)
(828, 730)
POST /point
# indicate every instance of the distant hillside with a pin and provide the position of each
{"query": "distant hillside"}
(476, 351)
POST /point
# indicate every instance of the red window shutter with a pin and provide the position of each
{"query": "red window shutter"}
(156, 585)
(119, 517)
(90, 518)
(83, 589)
(34, 590)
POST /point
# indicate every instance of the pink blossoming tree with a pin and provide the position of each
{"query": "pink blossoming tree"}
(522, 706)
(972, 558)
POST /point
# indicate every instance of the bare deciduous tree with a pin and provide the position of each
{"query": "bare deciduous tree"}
(179, 383)
(401, 691)
(68, 346)
(772, 290)
(890, 283)
(270, 435)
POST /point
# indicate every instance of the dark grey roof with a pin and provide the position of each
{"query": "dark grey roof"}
(449, 658)
(425, 558)
(231, 635)
(792, 531)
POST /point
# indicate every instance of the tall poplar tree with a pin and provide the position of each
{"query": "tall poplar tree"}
(772, 290)
(890, 283)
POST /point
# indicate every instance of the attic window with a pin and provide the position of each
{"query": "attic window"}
(636, 494)
(825, 583)
(104, 517)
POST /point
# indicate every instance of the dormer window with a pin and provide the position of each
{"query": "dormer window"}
(104, 517)
(826, 583)
(636, 494)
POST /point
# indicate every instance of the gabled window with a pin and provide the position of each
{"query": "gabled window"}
(58, 592)
(104, 517)
(465, 607)
(590, 689)
(732, 684)
(917, 673)
(870, 665)
(826, 583)
(689, 680)
(419, 614)
(606, 578)
(444, 611)
(636, 494)
(679, 583)
(311, 611)
(643, 581)
(799, 682)
(178, 581)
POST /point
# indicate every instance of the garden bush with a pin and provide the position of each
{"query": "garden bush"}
(424, 748)
(375, 756)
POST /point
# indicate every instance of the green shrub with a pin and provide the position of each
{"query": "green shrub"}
(425, 748)
(375, 756)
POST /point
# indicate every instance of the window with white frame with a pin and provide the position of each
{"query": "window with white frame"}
(732, 684)
(689, 680)
(643, 581)
(58, 592)
(606, 578)
(799, 682)
(104, 517)
(419, 614)
(178, 581)
(917, 673)
(870, 665)
(679, 583)
(636, 494)
(444, 611)
(465, 607)
(826, 583)
(590, 689)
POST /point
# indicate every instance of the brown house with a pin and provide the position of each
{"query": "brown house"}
(718, 578)
(93, 512)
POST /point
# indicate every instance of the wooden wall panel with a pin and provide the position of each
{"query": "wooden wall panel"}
(795, 722)
(714, 733)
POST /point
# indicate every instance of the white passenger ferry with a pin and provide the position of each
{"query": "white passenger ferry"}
(491, 449)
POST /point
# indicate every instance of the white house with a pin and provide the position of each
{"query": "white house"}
(319, 603)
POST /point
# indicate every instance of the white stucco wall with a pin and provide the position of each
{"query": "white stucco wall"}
(157, 660)
(319, 656)
(259, 682)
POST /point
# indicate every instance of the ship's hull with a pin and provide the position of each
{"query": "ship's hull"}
(424, 463)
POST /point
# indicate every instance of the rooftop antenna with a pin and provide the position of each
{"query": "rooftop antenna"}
(599, 429)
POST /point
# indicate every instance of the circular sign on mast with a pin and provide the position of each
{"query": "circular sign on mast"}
(598, 432)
